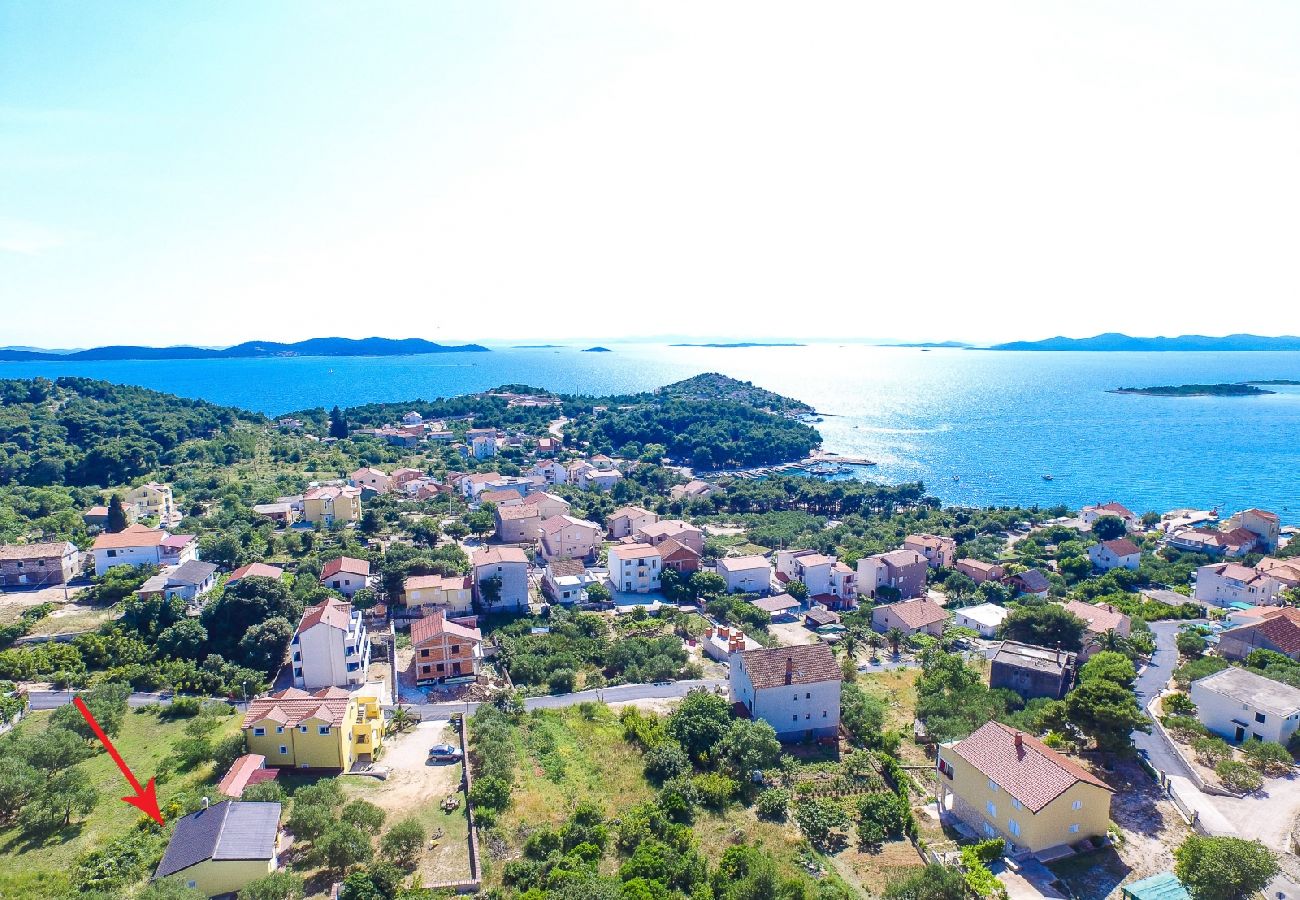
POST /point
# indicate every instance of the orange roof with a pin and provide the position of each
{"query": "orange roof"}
(495, 556)
(334, 613)
(436, 625)
(345, 564)
(918, 613)
(131, 536)
(440, 582)
(255, 570)
(1022, 765)
(633, 551)
(1099, 618)
(241, 772)
(292, 706)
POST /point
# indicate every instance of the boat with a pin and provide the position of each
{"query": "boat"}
(956, 478)
(1047, 478)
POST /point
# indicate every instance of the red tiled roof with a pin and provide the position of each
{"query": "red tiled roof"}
(1281, 629)
(495, 556)
(1031, 772)
(255, 570)
(918, 613)
(437, 625)
(671, 550)
(1121, 547)
(292, 706)
(131, 536)
(808, 664)
(334, 613)
(345, 564)
(241, 774)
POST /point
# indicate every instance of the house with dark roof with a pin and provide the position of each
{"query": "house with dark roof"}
(1032, 671)
(1030, 581)
(1005, 783)
(189, 581)
(796, 690)
(223, 847)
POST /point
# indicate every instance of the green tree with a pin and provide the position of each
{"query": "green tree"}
(749, 745)
(19, 782)
(117, 520)
(704, 585)
(598, 592)
(1238, 777)
(183, 640)
(1269, 757)
(403, 842)
(53, 750)
(1109, 528)
(1109, 666)
(1223, 868)
(1190, 643)
(1107, 712)
(1048, 625)
(700, 722)
(365, 599)
(820, 820)
(338, 424)
(263, 646)
(106, 702)
(343, 845)
(363, 814)
(797, 589)
(308, 821)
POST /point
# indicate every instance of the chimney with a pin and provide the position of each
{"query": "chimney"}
(1020, 744)
(789, 670)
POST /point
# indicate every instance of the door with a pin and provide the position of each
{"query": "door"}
(1240, 734)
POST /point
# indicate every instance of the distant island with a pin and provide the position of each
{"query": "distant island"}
(330, 346)
(737, 345)
(598, 350)
(1196, 390)
(930, 345)
(1114, 341)
(537, 347)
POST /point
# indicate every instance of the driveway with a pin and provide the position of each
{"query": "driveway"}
(1150, 683)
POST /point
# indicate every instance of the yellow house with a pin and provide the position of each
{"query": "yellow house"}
(153, 500)
(452, 593)
(219, 849)
(1005, 783)
(332, 503)
(324, 729)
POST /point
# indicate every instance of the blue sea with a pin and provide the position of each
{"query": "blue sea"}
(978, 427)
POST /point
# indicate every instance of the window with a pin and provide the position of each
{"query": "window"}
(323, 729)
(796, 717)
(279, 729)
(1016, 804)
(112, 553)
(993, 785)
(302, 728)
(297, 673)
(1074, 829)
(283, 750)
(1014, 827)
(1260, 717)
(1077, 804)
(455, 648)
(988, 830)
(190, 884)
(259, 732)
(992, 808)
(807, 716)
(441, 667)
(824, 714)
(807, 696)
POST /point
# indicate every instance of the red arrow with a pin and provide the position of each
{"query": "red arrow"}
(146, 798)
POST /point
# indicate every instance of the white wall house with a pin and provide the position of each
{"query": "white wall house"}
(746, 574)
(985, 618)
(634, 568)
(808, 566)
(346, 575)
(627, 520)
(1224, 584)
(1238, 704)
(331, 647)
(796, 690)
(138, 545)
(1117, 554)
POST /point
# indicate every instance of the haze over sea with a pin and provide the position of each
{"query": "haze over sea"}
(998, 421)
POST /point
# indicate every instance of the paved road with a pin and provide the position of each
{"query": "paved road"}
(1149, 684)
(55, 699)
(616, 694)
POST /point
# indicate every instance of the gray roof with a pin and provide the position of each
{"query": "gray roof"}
(1027, 656)
(191, 571)
(1254, 690)
(228, 830)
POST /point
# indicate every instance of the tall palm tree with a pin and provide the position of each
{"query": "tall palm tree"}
(850, 642)
(895, 637)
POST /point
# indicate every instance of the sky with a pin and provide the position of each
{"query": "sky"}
(207, 173)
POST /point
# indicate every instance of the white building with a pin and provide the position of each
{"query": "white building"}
(808, 566)
(1238, 704)
(139, 545)
(549, 471)
(331, 647)
(509, 565)
(1090, 514)
(1224, 584)
(746, 574)
(153, 500)
(940, 552)
(1117, 554)
(634, 568)
(985, 618)
(346, 575)
(796, 690)
(565, 581)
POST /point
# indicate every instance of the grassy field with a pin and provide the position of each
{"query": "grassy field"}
(37, 870)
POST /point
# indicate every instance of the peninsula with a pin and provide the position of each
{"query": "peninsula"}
(1112, 341)
(1196, 390)
(327, 346)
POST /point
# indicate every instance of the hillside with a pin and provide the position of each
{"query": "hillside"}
(712, 386)
(78, 431)
(329, 346)
(1112, 341)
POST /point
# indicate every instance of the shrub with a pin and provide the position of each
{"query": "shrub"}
(1185, 728)
(773, 804)
(276, 886)
(819, 819)
(403, 842)
(1267, 757)
(664, 761)
(882, 816)
(1211, 750)
(1179, 704)
(1238, 777)
(715, 790)
(363, 814)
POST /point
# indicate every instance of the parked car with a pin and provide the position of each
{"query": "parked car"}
(443, 752)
